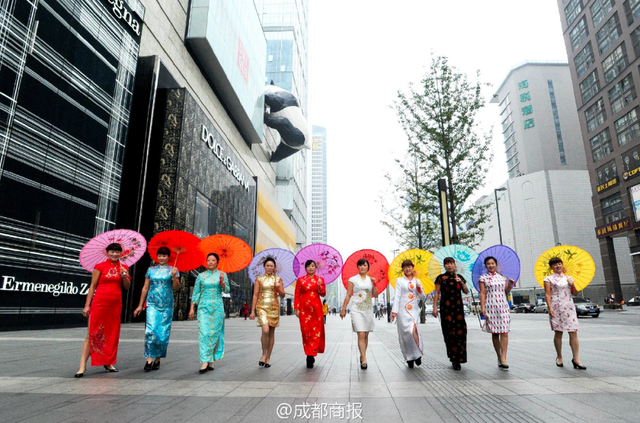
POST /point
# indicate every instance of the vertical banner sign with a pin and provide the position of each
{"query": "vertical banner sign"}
(635, 200)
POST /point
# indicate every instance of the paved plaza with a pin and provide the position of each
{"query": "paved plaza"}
(37, 384)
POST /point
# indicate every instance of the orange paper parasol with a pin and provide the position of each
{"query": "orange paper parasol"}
(235, 254)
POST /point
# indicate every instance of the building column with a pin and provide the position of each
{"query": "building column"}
(634, 245)
(610, 268)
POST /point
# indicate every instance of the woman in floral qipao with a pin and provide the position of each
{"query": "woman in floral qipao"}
(308, 308)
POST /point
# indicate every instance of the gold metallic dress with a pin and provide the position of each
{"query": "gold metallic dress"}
(268, 307)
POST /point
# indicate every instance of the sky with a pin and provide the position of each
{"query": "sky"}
(360, 55)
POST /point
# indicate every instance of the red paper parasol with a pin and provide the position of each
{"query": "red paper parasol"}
(328, 261)
(133, 248)
(378, 269)
(184, 249)
(235, 254)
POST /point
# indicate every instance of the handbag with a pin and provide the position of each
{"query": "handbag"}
(485, 326)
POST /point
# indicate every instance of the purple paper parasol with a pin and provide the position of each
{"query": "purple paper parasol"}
(508, 264)
(133, 247)
(328, 261)
(285, 263)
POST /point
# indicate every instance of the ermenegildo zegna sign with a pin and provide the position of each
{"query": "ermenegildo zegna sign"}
(9, 283)
(123, 13)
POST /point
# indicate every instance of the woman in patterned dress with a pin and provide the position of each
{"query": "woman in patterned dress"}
(207, 295)
(454, 327)
(360, 288)
(405, 308)
(558, 288)
(103, 311)
(159, 284)
(494, 289)
(267, 303)
(308, 309)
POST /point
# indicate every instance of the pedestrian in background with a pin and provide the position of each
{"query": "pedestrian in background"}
(494, 289)
(266, 305)
(207, 295)
(405, 308)
(454, 327)
(308, 308)
(103, 311)
(160, 282)
(360, 288)
(558, 290)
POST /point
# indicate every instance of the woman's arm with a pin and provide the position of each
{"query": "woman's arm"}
(508, 285)
(280, 290)
(436, 297)
(126, 279)
(396, 301)
(224, 282)
(175, 278)
(463, 284)
(254, 301)
(195, 297)
(483, 296)
(322, 288)
(143, 296)
(95, 275)
(343, 312)
(547, 296)
(297, 299)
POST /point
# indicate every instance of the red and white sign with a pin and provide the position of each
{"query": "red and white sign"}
(243, 61)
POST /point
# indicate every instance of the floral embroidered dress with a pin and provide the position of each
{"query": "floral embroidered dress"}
(307, 300)
(454, 327)
(405, 305)
(565, 319)
(207, 294)
(104, 315)
(496, 306)
(361, 308)
(159, 311)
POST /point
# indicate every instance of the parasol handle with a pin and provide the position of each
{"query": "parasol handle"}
(175, 263)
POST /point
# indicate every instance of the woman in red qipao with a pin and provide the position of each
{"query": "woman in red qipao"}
(308, 308)
(103, 310)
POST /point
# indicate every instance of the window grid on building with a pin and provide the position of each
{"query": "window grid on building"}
(627, 127)
(595, 115)
(615, 63)
(608, 34)
(601, 145)
(584, 60)
(590, 86)
(622, 93)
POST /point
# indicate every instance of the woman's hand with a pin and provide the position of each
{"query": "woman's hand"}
(482, 312)
(393, 316)
(137, 311)
(192, 314)
(297, 313)
(435, 312)
(373, 280)
(551, 312)
(174, 271)
(124, 273)
(252, 316)
(343, 313)
(85, 311)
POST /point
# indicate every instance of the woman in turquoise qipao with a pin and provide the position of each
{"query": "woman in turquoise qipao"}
(158, 292)
(207, 295)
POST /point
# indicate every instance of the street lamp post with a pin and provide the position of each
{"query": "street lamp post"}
(495, 192)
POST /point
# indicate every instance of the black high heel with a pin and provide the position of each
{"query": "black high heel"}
(267, 365)
(77, 375)
(559, 364)
(261, 363)
(114, 370)
(578, 366)
(148, 366)
(155, 365)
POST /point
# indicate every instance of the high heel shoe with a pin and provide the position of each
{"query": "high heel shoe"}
(111, 370)
(77, 375)
(363, 366)
(155, 365)
(578, 366)
(559, 364)
(267, 365)
(261, 363)
(148, 366)
(203, 369)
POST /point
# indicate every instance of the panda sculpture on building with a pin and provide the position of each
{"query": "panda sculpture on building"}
(283, 113)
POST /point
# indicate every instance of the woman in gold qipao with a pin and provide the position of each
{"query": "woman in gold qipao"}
(266, 305)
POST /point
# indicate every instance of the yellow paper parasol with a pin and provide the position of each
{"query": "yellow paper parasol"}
(420, 259)
(577, 262)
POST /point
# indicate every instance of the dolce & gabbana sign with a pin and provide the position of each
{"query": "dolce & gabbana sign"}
(219, 151)
(120, 11)
(9, 283)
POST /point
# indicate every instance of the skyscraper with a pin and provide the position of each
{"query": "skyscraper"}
(285, 24)
(319, 185)
(602, 38)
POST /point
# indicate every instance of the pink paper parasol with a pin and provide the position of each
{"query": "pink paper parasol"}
(328, 261)
(133, 247)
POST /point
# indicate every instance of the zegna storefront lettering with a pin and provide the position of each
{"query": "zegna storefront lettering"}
(218, 151)
(122, 13)
(9, 283)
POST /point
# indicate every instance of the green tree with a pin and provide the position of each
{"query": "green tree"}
(439, 119)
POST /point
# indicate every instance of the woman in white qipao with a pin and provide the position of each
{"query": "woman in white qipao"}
(406, 310)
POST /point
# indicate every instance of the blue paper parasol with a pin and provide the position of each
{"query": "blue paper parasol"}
(464, 256)
(285, 263)
(508, 264)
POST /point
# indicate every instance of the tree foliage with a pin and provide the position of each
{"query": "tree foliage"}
(439, 119)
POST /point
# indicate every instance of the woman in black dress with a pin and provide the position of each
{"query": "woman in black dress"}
(454, 327)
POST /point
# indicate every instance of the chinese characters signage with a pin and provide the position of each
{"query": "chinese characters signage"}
(613, 227)
(243, 61)
(608, 184)
(527, 109)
